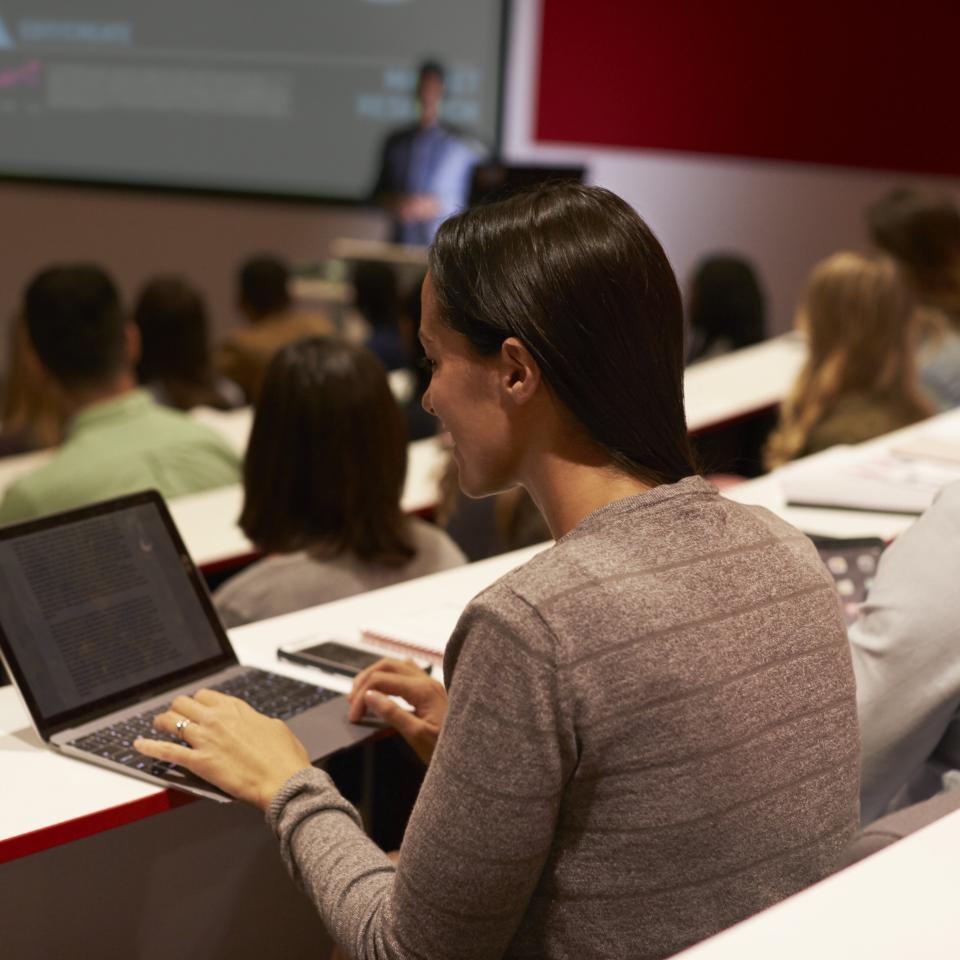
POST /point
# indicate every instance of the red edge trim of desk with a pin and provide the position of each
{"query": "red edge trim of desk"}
(46, 838)
(228, 563)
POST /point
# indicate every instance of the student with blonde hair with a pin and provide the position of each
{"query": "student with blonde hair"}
(860, 377)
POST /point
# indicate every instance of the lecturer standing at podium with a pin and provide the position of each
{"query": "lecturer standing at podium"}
(425, 169)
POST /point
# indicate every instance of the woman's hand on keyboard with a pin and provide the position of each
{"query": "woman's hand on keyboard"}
(405, 679)
(248, 755)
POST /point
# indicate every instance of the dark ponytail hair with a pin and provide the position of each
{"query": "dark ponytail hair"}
(579, 278)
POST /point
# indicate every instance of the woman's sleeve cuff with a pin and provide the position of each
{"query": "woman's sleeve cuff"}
(307, 780)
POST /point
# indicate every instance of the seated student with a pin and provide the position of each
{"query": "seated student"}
(651, 730)
(32, 418)
(726, 310)
(906, 657)
(175, 360)
(859, 380)
(263, 297)
(420, 424)
(377, 299)
(118, 439)
(921, 231)
(323, 477)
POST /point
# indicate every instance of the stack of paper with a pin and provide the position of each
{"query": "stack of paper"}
(894, 480)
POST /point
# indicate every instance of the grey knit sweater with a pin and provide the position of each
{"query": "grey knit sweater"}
(652, 734)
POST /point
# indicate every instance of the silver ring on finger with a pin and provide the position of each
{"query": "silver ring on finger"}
(182, 725)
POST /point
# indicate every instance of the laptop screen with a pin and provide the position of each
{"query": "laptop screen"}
(101, 607)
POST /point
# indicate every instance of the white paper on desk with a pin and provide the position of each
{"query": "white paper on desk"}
(884, 481)
(929, 446)
(424, 632)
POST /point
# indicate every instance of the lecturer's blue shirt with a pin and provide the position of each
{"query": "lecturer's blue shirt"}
(431, 160)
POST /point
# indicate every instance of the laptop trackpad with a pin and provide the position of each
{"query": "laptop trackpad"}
(325, 729)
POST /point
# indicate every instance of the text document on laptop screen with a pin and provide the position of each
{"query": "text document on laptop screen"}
(99, 606)
(290, 97)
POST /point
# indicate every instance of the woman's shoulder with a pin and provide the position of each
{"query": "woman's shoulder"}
(275, 584)
(661, 537)
(260, 571)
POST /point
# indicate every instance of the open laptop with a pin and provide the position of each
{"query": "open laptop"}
(104, 619)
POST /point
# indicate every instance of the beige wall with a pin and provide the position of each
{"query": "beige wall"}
(137, 234)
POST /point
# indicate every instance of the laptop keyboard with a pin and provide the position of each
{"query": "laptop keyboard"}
(269, 693)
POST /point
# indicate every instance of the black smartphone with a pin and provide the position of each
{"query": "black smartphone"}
(332, 656)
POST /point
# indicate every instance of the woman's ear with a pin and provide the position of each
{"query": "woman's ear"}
(520, 373)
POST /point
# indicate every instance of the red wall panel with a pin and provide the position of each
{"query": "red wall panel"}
(849, 83)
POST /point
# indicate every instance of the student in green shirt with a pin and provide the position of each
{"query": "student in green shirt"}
(118, 440)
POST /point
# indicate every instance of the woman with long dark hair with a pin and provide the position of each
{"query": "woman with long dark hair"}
(322, 480)
(649, 730)
(727, 307)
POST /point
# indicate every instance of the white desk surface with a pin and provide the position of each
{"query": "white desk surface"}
(823, 521)
(42, 789)
(350, 248)
(318, 290)
(233, 425)
(738, 384)
(900, 903)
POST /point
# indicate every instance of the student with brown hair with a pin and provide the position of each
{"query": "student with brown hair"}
(272, 321)
(860, 379)
(651, 728)
(323, 477)
(921, 231)
(176, 362)
(377, 300)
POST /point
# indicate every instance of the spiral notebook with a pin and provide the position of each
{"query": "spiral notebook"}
(421, 633)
